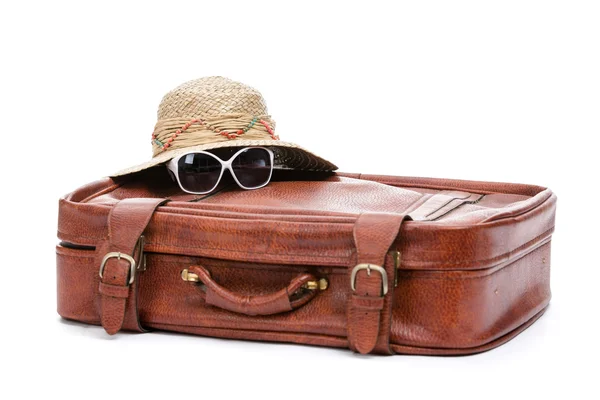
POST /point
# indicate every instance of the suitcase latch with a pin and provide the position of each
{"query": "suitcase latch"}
(188, 276)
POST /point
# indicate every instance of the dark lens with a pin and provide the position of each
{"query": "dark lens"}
(198, 172)
(252, 167)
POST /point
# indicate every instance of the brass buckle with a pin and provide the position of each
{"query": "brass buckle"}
(369, 267)
(119, 255)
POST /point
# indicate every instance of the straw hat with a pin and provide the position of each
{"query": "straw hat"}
(214, 112)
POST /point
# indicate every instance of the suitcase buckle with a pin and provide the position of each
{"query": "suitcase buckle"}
(369, 267)
(119, 255)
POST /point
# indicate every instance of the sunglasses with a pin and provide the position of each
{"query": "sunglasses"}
(199, 172)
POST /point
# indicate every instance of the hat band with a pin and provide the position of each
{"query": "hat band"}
(175, 133)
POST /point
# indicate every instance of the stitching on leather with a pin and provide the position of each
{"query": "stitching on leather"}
(75, 256)
(484, 273)
(248, 215)
(243, 252)
(351, 252)
(497, 258)
(440, 187)
(270, 330)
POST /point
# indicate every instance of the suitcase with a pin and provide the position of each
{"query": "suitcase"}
(377, 264)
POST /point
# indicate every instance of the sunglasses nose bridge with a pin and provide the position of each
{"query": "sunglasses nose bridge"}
(226, 166)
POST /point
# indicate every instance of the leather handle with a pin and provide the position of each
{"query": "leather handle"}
(267, 304)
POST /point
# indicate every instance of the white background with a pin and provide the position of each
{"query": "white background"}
(498, 91)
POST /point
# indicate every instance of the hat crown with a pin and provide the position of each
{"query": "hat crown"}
(217, 112)
(211, 96)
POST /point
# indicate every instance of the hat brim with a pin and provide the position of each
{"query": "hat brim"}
(287, 156)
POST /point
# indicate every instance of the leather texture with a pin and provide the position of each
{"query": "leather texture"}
(267, 304)
(126, 223)
(473, 270)
(369, 308)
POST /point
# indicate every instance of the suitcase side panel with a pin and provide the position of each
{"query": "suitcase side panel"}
(434, 312)
(469, 308)
(77, 285)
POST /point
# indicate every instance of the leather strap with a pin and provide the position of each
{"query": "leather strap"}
(118, 295)
(369, 309)
(442, 203)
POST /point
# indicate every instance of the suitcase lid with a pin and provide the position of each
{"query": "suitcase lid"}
(307, 218)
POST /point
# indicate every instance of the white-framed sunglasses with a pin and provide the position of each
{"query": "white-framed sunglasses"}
(199, 172)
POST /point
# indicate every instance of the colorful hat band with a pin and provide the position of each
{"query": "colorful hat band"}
(176, 133)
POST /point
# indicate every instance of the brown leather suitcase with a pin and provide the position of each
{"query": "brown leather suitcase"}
(377, 264)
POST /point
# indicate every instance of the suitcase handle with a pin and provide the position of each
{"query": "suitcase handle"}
(286, 299)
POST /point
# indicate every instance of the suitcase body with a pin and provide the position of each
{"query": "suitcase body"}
(377, 264)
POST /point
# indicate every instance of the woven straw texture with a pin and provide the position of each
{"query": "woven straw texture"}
(214, 95)
(214, 112)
